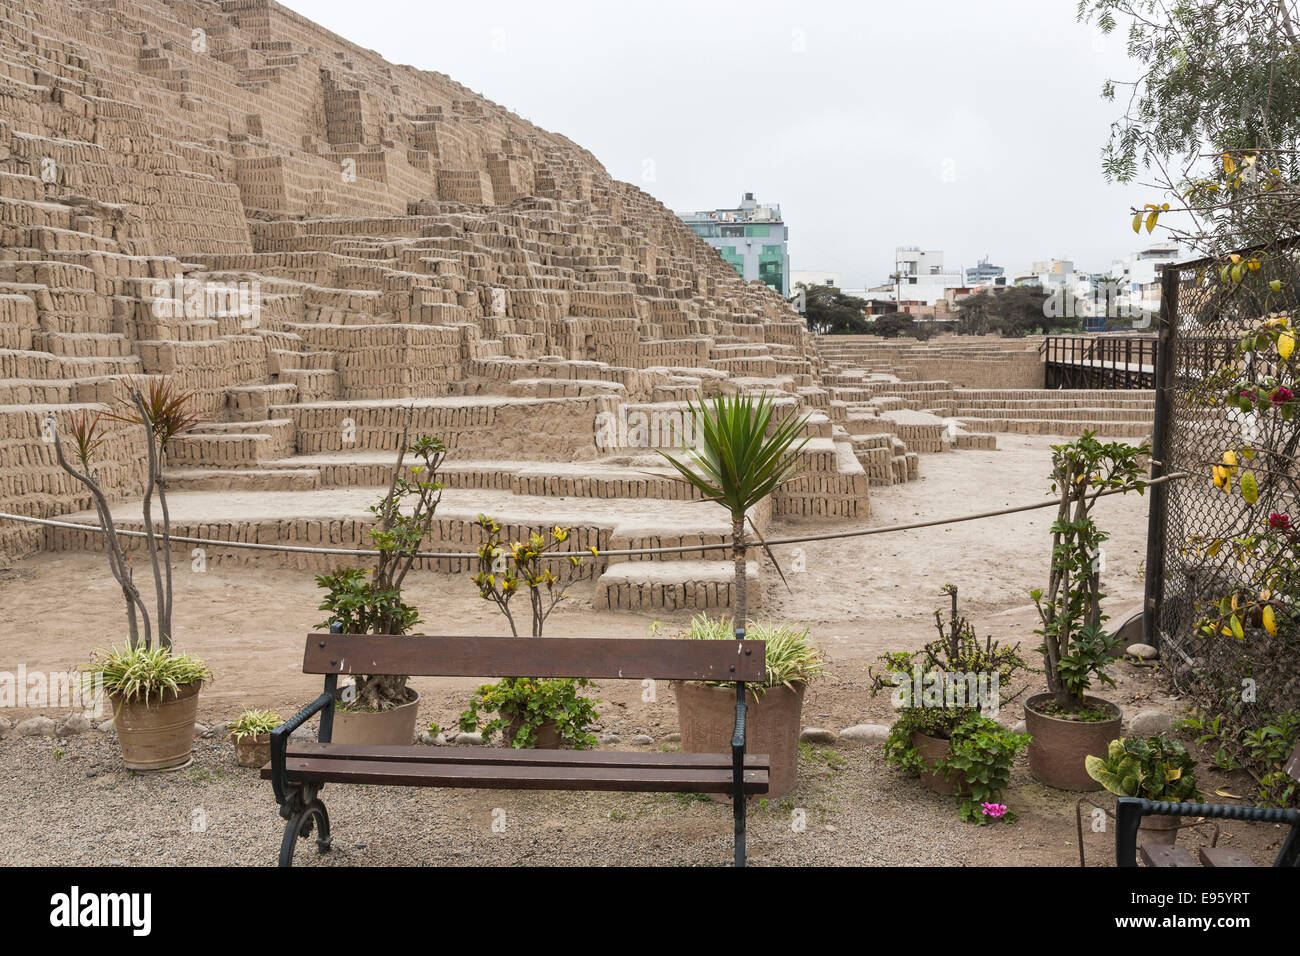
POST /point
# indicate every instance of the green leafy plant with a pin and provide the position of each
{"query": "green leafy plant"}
(254, 723)
(143, 673)
(741, 457)
(1156, 768)
(523, 704)
(1076, 648)
(950, 689)
(792, 659)
(981, 753)
(370, 601)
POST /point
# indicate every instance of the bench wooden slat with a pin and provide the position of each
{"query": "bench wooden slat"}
(593, 657)
(507, 756)
(518, 777)
(1153, 855)
(1223, 856)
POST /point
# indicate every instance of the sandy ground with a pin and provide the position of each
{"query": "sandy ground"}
(861, 597)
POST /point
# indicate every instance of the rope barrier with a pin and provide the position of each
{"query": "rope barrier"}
(721, 546)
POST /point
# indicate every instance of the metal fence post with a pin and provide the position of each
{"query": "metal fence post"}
(1159, 451)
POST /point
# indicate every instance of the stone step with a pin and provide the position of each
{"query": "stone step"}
(675, 586)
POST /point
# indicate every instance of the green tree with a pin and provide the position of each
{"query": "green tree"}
(1212, 120)
(830, 311)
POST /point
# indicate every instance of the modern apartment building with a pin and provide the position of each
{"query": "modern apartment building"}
(919, 276)
(752, 237)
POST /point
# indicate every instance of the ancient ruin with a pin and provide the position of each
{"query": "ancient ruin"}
(313, 239)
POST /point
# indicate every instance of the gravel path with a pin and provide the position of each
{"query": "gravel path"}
(70, 801)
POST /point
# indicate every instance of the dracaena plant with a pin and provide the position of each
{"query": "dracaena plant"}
(741, 456)
(164, 411)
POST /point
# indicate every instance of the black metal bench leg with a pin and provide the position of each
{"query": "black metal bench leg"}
(738, 773)
(305, 813)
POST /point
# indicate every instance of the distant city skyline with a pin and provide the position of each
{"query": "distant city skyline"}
(973, 128)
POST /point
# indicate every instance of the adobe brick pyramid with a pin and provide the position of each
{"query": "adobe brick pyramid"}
(313, 240)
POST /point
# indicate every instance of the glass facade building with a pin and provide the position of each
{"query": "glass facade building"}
(752, 237)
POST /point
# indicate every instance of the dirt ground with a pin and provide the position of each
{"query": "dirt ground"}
(861, 597)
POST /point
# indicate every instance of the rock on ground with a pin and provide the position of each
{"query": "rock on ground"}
(817, 735)
(865, 733)
(1149, 723)
(36, 727)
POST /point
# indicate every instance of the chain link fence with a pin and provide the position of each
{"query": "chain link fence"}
(1223, 574)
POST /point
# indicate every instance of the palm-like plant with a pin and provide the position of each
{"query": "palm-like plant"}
(737, 463)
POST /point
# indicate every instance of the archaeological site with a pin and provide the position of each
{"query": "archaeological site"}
(282, 321)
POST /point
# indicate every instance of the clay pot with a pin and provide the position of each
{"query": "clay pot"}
(1059, 746)
(548, 735)
(707, 718)
(252, 750)
(395, 726)
(158, 735)
(932, 750)
(1159, 830)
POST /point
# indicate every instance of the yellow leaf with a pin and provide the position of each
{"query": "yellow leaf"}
(1286, 345)
(1229, 166)
(1137, 223)
(1270, 621)
(1151, 220)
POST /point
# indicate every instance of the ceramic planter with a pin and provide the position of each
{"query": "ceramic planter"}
(158, 734)
(1059, 746)
(252, 750)
(395, 726)
(707, 718)
(932, 750)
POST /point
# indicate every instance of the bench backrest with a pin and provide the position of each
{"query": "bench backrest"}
(594, 657)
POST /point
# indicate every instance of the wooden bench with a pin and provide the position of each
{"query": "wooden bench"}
(298, 770)
(1129, 812)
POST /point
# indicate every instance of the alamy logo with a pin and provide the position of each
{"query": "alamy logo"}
(73, 909)
(658, 428)
(181, 298)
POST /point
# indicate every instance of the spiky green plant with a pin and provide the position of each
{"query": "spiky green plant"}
(141, 673)
(791, 658)
(254, 722)
(740, 457)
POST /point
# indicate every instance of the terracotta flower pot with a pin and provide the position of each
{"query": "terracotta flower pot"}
(395, 726)
(548, 735)
(707, 717)
(158, 735)
(1059, 746)
(932, 750)
(252, 750)
(1159, 830)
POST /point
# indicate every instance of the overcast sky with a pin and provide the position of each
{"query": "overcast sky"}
(971, 126)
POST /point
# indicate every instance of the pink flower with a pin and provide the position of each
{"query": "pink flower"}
(994, 810)
(1280, 395)
(1279, 521)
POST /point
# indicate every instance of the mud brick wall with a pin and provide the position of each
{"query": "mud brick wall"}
(558, 429)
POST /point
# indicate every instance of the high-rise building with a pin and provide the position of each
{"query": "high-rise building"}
(752, 237)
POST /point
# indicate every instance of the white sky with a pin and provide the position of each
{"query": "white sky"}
(971, 127)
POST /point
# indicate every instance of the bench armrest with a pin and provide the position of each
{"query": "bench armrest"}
(280, 741)
(1129, 812)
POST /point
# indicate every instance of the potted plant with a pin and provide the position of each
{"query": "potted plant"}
(706, 711)
(1067, 724)
(529, 711)
(381, 708)
(947, 694)
(251, 735)
(154, 692)
(1155, 768)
